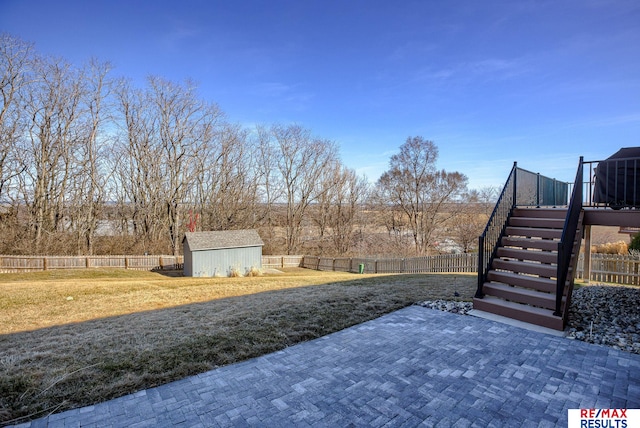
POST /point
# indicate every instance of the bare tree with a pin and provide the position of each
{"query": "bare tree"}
(137, 166)
(15, 66)
(467, 225)
(167, 130)
(226, 187)
(322, 209)
(338, 207)
(172, 152)
(271, 187)
(16, 59)
(89, 181)
(53, 106)
(352, 191)
(49, 123)
(182, 120)
(300, 161)
(472, 215)
(422, 193)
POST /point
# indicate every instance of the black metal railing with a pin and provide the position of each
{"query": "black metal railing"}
(566, 245)
(522, 188)
(612, 183)
(494, 230)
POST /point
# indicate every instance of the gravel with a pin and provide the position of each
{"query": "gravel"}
(606, 315)
(462, 308)
(601, 314)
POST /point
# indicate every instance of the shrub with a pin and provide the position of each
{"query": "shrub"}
(235, 273)
(635, 243)
(619, 247)
(254, 271)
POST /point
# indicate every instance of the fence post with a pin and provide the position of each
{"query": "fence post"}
(126, 262)
(586, 260)
(44, 263)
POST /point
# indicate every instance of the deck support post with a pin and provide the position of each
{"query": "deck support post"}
(586, 271)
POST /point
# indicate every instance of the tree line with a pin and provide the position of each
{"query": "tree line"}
(92, 164)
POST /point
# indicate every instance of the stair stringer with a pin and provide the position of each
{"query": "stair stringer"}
(572, 268)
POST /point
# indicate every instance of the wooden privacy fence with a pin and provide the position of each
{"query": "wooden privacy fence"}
(281, 261)
(36, 263)
(441, 263)
(604, 267)
(613, 268)
(159, 263)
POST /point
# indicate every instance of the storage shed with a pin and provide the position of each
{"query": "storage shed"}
(218, 253)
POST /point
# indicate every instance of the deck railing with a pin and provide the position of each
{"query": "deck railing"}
(567, 245)
(537, 190)
(611, 183)
(488, 241)
(522, 188)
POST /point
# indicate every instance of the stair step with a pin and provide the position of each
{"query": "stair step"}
(530, 314)
(522, 281)
(520, 295)
(533, 255)
(533, 282)
(549, 223)
(536, 232)
(539, 244)
(547, 271)
(540, 212)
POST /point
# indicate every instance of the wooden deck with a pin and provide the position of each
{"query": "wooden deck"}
(610, 217)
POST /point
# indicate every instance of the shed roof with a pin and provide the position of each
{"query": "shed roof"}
(216, 240)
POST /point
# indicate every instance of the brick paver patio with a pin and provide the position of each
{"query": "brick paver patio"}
(413, 367)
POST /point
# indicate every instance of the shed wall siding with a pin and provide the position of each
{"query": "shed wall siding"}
(222, 261)
(188, 260)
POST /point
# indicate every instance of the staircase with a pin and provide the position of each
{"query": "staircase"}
(522, 279)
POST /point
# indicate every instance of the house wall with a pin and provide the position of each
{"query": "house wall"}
(221, 262)
(187, 269)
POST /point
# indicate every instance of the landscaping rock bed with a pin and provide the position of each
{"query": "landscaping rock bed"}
(606, 315)
(462, 308)
(601, 314)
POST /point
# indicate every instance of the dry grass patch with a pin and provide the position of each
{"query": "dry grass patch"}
(123, 332)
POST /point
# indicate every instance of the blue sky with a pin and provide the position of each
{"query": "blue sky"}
(490, 82)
